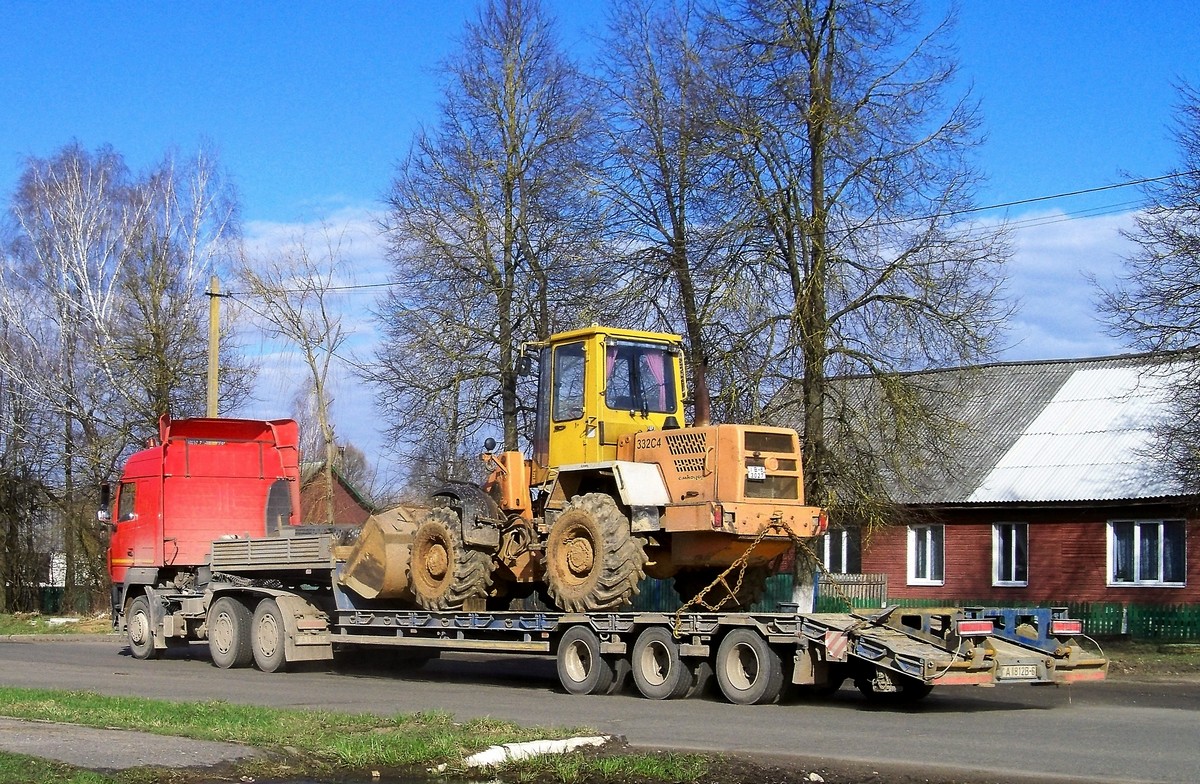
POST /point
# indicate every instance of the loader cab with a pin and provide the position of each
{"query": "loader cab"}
(598, 384)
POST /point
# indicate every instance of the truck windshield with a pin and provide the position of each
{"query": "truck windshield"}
(639, 377)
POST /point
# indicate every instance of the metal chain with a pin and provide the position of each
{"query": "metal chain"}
(701, 599)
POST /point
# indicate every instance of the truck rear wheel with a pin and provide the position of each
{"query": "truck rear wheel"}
(658, 670)
(582, 669)
(139, 627)
(749, 671)
(593, 560)
(445, 573)
(229, 633)
(268, 637)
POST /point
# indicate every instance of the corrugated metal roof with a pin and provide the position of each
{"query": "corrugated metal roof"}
(1053, 431)
(1091, 441)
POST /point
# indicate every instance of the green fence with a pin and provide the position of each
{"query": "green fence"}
(1167, 622)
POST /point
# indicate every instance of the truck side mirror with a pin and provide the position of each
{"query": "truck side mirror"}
(525, 365)
(102, 514)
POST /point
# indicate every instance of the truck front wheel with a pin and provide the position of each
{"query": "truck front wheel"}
(593, 561)
(139, 626)
(229, 633)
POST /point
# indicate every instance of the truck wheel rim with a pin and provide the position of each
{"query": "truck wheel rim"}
(742, 667)
(222, 633)
(139, 629)
(655, 663)
(578, 661)
(268, 636)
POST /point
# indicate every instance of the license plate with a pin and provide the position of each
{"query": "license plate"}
(1015, 671)
(757, 473)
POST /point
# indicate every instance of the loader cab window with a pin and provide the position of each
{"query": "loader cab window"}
(639, 377)
(568, 382)
(125, 500)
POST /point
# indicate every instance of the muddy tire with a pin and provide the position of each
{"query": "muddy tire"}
(690, 582)
(593, 561)
(139, 628)
(444, 572)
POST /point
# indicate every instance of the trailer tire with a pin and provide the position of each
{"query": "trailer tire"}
(139, 628)
(444, 573)
(229, 633)
(593, 560)
(658, 670)
(749, 671)
(582, 669)
(268, 637)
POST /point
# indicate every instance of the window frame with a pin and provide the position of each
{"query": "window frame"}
(845, 552)
(998, 555)
(935, 572)
(1136, 567)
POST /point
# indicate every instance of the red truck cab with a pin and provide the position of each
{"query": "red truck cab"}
(204, 479)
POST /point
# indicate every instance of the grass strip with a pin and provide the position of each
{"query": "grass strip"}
(317, 741)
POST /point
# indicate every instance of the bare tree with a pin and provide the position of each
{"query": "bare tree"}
(492, 232)
(665, 175)
(98, 301)
(1156, 307)
(292, 290)
(857, 173)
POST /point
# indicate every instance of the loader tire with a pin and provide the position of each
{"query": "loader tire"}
(593, 560)
(444, 572)
(690, 582)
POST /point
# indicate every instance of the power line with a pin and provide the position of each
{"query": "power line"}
(1019, 224)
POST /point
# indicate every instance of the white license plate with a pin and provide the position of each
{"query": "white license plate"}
(757, 473)
(1015, 671)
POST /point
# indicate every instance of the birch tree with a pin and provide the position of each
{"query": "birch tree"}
(292, 290)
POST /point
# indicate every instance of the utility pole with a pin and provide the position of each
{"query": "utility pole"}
(214, 343)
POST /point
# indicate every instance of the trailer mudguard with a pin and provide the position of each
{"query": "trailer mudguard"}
(481, 516)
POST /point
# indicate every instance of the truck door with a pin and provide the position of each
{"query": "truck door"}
(133, 540)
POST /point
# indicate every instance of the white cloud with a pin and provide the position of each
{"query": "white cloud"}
(1054, 260)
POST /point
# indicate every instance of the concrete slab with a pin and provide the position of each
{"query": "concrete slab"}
(105, 750)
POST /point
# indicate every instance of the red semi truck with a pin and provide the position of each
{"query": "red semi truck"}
(206, 545)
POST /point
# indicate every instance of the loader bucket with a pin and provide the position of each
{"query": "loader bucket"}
(377, 566)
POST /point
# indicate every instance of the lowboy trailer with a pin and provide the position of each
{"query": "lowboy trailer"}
(277, 600)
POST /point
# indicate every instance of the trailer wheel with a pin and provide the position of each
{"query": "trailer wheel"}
(229, 633)
(268, 637)
(582, 669)
(749, 671)
(445, 573)
(593, 560)
(139, 626)
(658, 670)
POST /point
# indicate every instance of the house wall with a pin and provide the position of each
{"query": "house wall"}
(346, 510)
(1068, 559)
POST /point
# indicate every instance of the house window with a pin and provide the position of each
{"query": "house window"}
(841, 552)
(926, 555)
(1147, 552)
(1010, 554)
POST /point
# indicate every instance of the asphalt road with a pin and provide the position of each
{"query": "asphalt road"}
(1107, 732)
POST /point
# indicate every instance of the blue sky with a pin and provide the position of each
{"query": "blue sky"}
(311, 104)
